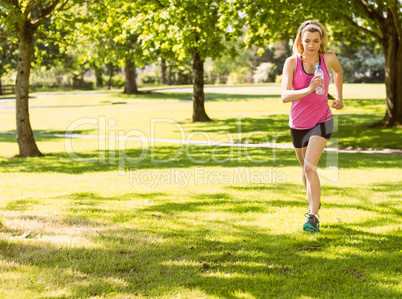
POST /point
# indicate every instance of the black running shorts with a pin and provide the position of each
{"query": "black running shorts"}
(300, 138)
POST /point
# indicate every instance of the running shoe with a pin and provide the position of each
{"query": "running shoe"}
(312, 224)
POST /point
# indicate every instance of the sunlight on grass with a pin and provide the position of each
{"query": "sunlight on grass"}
(195, 221)
(253, 114)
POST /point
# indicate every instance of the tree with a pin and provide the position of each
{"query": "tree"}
(361, 65)
(100, 38)
(382, 21)
(22, 20)
(131, 47)
(188, 28)
(237, 66)
(352, 20)
(265, 72)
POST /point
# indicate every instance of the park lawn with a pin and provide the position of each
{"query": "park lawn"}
(194, 221)
(248, 114)
(233, 230)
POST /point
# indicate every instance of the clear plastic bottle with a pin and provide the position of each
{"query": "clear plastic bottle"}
(318, 72)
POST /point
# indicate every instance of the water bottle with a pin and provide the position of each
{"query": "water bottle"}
(318, 72)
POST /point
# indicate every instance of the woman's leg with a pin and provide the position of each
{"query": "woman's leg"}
(313, 153)
(301, 154)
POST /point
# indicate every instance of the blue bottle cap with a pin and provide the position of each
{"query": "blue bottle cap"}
(318, 67)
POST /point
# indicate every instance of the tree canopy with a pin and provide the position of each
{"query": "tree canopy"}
(22, 20)
(187, 28)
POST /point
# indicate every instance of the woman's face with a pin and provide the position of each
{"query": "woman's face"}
(311, 42)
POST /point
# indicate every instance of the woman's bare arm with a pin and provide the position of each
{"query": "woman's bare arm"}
(289, 95)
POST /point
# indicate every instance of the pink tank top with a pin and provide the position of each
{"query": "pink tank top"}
(307, 112)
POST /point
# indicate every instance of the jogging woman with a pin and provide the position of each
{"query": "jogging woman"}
(310, 121)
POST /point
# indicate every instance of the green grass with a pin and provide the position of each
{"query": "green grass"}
(207, 222)
(255, 112)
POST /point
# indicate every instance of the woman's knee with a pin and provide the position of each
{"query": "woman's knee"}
(309, 169)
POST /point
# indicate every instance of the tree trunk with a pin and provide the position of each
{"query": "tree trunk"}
(98, 76)
(393, 81)
(163, 69)
(170, 75)
(25, 137)
(110, 68)
(131, 78)
(392, 48)
(199, 113)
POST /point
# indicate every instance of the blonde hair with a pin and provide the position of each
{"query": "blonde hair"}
(298, 46)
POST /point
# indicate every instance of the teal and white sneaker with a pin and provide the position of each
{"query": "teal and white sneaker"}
(312, 224)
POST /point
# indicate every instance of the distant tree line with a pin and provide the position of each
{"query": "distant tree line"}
(62, 71)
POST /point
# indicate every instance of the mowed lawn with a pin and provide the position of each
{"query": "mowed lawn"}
(113, 217)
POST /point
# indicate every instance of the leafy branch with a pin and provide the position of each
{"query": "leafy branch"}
(378, 38)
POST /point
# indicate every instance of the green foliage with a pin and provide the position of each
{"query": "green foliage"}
(118, 81)
(150, 75)
(265, 72)
(218, 69)
(339, 16)
(100, 40)
(353, 23)
(226, 64)
(39, 17)
(14, 14)
(266, 21)
(362, 65)
(8, 58)
(180, 25)
(238, 76)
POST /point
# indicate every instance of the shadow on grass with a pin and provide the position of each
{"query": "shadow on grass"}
(272, 128)
(21, 205)
(168, 157)
(164, 157)
(175, 255)
(69, 106)
(40, 135)
(352, 130)
(392, 191)
(388, 190)
(376, 105)
(187, 96)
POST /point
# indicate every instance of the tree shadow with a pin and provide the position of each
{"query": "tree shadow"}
(376, 104)
(272, 128)
(187, 157)
(187, 96)
(228, 97)
(351, 130)
(162, 157)
(40, 135)
(388, 207)
(9, 137)
(21, 204)
(354, 132)
(218, 262)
